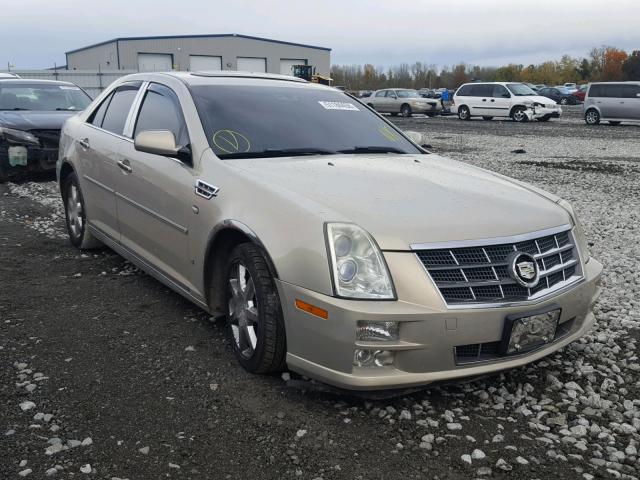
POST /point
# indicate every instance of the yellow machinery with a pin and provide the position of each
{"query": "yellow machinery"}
(307, 72)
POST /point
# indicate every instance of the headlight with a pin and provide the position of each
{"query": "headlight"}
(581, 240)
(18, 136)
(357, 265)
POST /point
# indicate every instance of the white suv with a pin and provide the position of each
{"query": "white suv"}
(503, 99)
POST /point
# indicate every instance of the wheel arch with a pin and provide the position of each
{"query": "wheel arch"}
(66, 169)
(224, 237)
(517, 105)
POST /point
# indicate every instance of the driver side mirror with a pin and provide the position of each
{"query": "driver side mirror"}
(161, 142)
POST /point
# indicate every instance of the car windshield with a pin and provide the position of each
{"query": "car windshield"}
(520, 89)
(42, 97)
(408, 94)
(269, 121)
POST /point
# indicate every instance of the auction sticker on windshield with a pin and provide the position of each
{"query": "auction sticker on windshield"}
(338, 105)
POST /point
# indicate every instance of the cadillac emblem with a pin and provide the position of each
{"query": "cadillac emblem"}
(523, 269)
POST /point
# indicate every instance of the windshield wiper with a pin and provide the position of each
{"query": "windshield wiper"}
(278, 152)
(15, 108)
(68, 109)
(372, 149)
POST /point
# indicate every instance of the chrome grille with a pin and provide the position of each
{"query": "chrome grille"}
(477, 272)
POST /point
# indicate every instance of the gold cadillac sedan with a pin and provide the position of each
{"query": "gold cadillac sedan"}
(333, 244)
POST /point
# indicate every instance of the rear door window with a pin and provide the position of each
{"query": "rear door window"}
(119, 107)
(97, 116)
(381, 93)
(631, 91)
(606, 91)
(483, 90)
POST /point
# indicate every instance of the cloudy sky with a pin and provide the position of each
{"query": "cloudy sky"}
(36, 33)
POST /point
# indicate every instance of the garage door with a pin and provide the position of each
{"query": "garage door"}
(251, 64)
(202, 63)
(155, 62)
(287, 63)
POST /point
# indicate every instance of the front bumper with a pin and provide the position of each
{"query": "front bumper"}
(539, 112)
(39, 159)
(425, 353)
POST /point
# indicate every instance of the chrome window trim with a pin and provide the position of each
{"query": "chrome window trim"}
(483, 242)
(133, 111)
(107, 131)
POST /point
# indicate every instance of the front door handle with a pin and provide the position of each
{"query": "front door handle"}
(492, 100)
(84, 143)
(125, 165)
(484, 99)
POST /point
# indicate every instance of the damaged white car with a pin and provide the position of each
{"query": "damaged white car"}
(503, 99)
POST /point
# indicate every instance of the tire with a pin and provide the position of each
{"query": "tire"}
(592, 117)
(255, 324)
(487, 118)
(75, 215)
(546, 118)
(464, 113)
(405, 110)
(394, 114)
(431, 114)
(564, 101)
(3, 176)
(370, 105)
(518, 115)
(614, 123)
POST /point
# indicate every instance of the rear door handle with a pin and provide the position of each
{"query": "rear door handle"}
(492, 100)
(84, 143)
(484, 99)
(125, 165)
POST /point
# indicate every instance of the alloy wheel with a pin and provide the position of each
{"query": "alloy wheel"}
(75, 213)
(592, 117)
(519, 115)
(243, 310)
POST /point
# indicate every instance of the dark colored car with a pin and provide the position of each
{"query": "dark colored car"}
(31, 115)
(559, 96)
(581, 92)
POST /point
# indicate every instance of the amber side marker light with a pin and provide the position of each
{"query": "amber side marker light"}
(313, 310)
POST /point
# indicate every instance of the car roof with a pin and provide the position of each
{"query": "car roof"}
(28, 81)
(226, 77)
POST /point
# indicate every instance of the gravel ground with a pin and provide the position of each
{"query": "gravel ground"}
(107, 373)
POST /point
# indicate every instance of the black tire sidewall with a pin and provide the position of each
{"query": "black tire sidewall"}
(464, 108)
(269, 310)
(405, 110)
(515, 111)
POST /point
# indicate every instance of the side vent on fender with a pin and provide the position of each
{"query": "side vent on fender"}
(206, 190)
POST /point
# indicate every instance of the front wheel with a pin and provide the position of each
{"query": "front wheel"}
(405, 110)
(519, 115)
(592, 117)
(255, 325)
(464, 113)
(76, 215)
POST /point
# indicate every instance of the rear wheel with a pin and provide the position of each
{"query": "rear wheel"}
(75, 214)
(255, 325)
(518, 114)
(487, 118)
(564, 101)
(592, 117)
(464, 113)
(405, 110)
(614, 123)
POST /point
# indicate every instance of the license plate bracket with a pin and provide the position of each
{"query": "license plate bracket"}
(528, 331)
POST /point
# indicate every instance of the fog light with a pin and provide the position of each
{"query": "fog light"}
(377, 331)
(372, 358)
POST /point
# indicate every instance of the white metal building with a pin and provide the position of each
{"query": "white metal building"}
(199, 52)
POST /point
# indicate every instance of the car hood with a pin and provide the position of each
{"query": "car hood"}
(30, 120)
(538, 98)
(405, 199)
